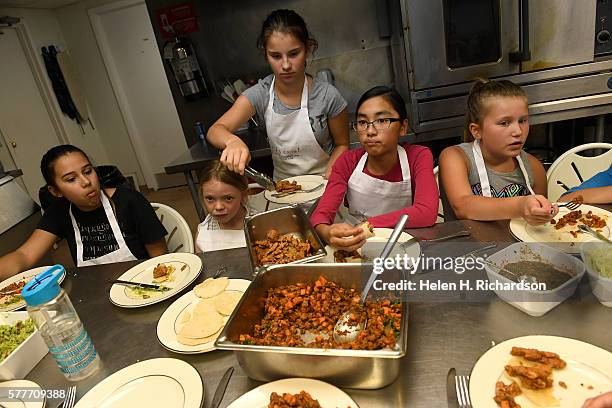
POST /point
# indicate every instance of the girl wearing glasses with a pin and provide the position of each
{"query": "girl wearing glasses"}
(380, 180)
(490, 177)
(305, 119)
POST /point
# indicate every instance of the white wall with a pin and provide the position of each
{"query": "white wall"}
(44, 29)
(88, 64)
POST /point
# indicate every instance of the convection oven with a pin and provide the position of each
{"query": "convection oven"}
(560, 51)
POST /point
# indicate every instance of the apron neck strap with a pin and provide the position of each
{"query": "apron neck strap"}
(303, 98)
(403, 160)
(482, 170)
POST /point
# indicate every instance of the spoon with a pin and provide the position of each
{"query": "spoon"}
(525, 279)
(345, 329)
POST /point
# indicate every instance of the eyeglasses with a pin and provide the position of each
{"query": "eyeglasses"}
(379, 124)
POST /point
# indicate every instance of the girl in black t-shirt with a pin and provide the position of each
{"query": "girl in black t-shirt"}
(101, 225)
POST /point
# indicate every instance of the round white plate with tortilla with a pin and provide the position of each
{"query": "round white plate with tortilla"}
(159, 382)
(175, 317)
(588, 372)
(186, 268)
(15, 301)
(374, 245)
(327, 394)
(559, 238)
(307, 182)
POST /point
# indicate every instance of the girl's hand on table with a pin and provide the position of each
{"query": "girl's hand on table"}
(601, 401)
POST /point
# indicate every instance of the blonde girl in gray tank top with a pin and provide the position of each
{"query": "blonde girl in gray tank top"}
(490, 177)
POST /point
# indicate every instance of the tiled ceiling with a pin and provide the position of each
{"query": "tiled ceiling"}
(41, 4)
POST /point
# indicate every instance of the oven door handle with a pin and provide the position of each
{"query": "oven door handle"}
(524, 53)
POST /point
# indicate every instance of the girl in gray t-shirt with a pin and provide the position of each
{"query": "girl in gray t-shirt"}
(306, 120)
(491, 177)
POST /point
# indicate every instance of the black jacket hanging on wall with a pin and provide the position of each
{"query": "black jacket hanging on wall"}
(59, 84)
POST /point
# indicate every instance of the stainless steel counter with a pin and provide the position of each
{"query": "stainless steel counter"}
(440, 334)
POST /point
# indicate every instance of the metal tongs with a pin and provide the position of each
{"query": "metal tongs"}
(263, 180)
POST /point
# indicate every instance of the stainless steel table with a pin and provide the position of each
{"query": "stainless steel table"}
(441, 334)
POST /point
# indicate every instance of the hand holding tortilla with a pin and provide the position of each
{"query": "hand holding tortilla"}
(343, 236)
(368, 229)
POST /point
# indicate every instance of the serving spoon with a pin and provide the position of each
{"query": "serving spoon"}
(525, 279)
(345, 330)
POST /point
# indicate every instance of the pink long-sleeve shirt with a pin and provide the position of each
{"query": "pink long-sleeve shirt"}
(423, 209)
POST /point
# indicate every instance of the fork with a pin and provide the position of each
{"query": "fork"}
(570, 205)
(463, 392)
(310, 190)
(220, 271)
(70, 397)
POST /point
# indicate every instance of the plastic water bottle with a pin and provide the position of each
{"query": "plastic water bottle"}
(54, 316)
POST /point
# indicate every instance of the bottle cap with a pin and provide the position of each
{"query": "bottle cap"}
(43, 287)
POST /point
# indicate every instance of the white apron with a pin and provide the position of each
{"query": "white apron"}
(218, 239)
(368, 196)
(295, 150)
(120, 255)
(482, 170)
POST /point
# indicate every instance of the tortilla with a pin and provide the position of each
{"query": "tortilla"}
(185, 317)
(196, 342)
(367, 228)
(205, 306)
(211, 287)
(226, 302)
(201, 325)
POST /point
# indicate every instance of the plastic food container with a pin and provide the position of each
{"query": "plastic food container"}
(533, 302)
(601, 286)
(23, 359)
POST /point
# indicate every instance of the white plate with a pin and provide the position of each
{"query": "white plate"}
(586, 364)
(20, 403)
(23, 275)
(327, 394)
(155, 383)
(123, 296)
(381, 235)
(307, 182)
(169, 323)
(561, 238)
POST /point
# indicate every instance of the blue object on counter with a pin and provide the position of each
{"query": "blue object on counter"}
(199, 127)
(44, 287)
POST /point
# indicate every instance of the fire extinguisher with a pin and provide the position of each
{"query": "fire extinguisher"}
(184, 63)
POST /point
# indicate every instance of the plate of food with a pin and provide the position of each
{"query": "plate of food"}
(24, 399)
(170, 272)
(192, 323)
(294, 392)
(377, 238)
(295, 189)
(562, 231)
(540, 371)
(159, 382)
(10, 289)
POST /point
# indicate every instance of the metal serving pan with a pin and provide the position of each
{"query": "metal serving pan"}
(363, 369)
(287, 220)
